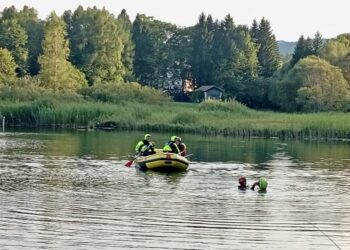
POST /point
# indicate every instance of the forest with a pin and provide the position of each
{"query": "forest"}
(91, 54)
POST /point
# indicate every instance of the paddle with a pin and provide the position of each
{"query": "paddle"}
(188, 155)
(129, 163)
(185, 155)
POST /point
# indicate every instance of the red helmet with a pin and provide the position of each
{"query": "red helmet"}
(242, 181)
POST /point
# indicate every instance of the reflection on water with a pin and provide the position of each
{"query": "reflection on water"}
(71, 190)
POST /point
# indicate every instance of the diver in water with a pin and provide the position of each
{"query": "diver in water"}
(261, 183)
(242, 181)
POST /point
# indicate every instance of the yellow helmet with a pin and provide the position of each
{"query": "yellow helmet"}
(147, 136)
(173, 138)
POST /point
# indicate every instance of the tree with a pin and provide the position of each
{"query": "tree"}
(317, 43)
(7, 67)
(152, 49)
(312, 85)
(128, 52)
(302, 49)
(96, 45)
(254, 30)
(28, 19)
(234, 54)
(9, 13)
(179, 56)
(57, 73)
(337, 52)
(306, 47)
(344, 65)
(268, 54)
(336, 49)
(14, 38)
(24, 32)
(201, 61)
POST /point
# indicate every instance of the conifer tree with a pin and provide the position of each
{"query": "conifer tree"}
(254, 30)
(179, 56)
(268, 54)
(201, 62)
(152, 49)
(237, 64)
(303, 48)
(299, 51)
(145, 61)
(317, 43)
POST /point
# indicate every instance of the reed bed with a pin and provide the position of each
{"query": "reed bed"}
(210, 118)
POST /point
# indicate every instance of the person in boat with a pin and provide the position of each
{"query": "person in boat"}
(242, 183)
(145, 147)
(261, 183)
(182, 147)
(172, 145)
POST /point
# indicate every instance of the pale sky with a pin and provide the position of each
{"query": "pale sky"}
(289, 18)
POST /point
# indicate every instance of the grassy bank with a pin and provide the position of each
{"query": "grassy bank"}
(227, 118)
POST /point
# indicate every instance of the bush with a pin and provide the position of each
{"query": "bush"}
(230, 106)
(28, 89)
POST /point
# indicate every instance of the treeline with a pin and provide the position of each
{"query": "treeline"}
(85, 50)
(89, 53)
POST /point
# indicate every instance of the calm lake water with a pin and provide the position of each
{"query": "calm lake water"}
(71, 190)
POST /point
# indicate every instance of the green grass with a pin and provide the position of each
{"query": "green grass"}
(211, 117)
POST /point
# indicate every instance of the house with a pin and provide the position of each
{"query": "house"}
(209, 92)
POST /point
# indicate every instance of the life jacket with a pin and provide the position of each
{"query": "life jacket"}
(171, 146)
(142, 145)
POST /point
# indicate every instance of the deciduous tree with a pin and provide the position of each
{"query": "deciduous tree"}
(128, 53)
(7, 67)
(14, 38)
(312, 85)
(97, 46)
(57, 73)
(152, 49)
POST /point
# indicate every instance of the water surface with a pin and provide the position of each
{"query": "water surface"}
(71, 190)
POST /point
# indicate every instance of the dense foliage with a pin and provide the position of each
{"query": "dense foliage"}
(94, 54)
(57, 73)
(312, 85)
(7, 67)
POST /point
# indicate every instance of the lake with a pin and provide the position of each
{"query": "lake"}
(71, 190)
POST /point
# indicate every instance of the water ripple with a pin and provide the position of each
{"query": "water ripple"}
(55, 202)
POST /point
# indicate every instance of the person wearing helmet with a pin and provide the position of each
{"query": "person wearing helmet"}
(172, 145)
(182, 147)
(145, 146)
(242, 181)
(261, 183)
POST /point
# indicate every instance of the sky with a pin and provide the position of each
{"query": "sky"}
(289, 19)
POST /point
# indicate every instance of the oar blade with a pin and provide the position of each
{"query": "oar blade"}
(128, 164)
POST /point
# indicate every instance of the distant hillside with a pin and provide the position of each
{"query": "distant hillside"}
(286, 48)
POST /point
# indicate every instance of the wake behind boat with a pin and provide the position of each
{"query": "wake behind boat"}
(162, 161)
